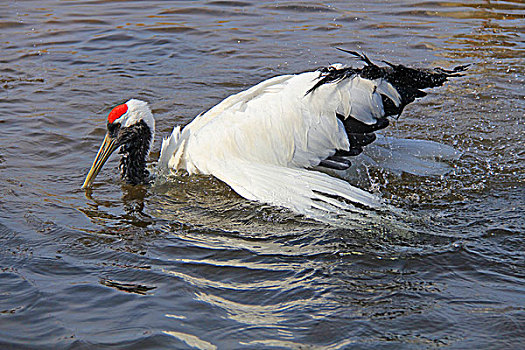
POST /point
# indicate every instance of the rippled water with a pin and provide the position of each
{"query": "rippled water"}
(189, 264)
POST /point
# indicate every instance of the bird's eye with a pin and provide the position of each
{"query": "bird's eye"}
(113, 129)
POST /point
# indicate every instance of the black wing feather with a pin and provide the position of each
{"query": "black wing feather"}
(407, 81)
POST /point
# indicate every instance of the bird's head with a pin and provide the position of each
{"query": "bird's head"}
(131, 127)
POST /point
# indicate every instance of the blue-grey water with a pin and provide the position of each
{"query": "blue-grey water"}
(191, 265)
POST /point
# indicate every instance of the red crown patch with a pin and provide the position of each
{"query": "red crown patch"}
(117, 112)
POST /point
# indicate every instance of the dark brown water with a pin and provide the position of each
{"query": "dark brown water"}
(189, 264)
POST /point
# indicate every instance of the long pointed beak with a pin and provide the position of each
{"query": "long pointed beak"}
(109, 145)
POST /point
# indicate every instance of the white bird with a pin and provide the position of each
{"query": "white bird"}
(266, 141)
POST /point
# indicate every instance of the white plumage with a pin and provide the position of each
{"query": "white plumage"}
(264, 141)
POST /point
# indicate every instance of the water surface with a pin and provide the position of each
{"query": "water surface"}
(189, 264)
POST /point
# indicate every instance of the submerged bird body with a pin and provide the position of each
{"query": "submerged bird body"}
(264, 142)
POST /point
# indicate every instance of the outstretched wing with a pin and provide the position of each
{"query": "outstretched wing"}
(278, 122)
(264, 141)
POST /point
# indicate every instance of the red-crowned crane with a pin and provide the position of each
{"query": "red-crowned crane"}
(264, 142)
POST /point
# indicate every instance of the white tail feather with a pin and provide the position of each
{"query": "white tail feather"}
(300, 190)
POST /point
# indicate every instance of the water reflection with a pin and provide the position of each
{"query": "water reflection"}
(192, 340)
(132, 202)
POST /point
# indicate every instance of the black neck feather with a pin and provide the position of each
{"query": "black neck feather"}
(135, 141)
